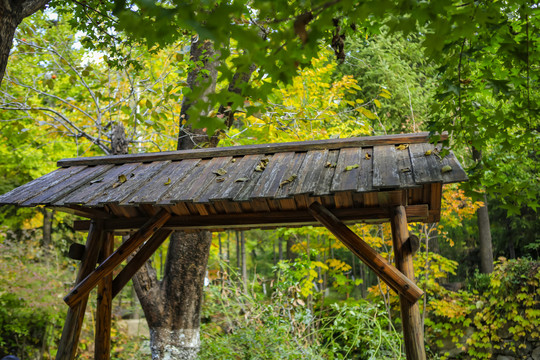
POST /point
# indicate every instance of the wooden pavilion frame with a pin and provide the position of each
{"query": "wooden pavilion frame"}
(396, 178)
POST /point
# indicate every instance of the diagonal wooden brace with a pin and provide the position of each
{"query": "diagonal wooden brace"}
(388, 273)
(138, 260)
(105, 268)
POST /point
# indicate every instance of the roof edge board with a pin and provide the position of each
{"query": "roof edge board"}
(253, 149)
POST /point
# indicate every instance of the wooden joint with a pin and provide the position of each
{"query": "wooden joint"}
(395, 279)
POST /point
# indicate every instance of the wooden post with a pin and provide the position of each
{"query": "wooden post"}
(102, 350)
(413, 332)
(388, 273)
(127, 248)
(75, 316)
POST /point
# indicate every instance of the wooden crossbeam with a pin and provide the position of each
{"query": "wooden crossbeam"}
(89, 282)
(388, 273)
(258, 220)
(74, 319)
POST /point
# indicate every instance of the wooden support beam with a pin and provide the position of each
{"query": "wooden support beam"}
(89, 282)
(138, 260)
(413, 332)
(258, 220)
(72, 326)
(102, 349)
(389, 274)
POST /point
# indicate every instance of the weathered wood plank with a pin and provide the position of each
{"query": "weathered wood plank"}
(385, 172)
(245, 169)
(404, 168)
(81, 290)
(265, 218)
(100, 186)
(35, 187)
(310, 172)
(136, 180)
(172, 174)
(218, 183)
(253, 149)
(426, 168)
(323, 186)
(456, 174)
(289, 179)
(75, 315)
(389, 274)
(55, 193)
(413, 332)
(345, 179)
(195, 183)
(365, 178)
(268, 184)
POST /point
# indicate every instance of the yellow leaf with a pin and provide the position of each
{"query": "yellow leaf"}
(402, 147)
(350, 167)
(377, 103)
(168, 181)
(446, 169)
(122, 178)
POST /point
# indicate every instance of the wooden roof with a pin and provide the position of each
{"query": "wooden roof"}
(349, 175)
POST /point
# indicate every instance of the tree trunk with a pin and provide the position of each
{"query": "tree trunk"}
(484, 230)
(48, 217)
(244, 265)
(172, 306)
(12, 12)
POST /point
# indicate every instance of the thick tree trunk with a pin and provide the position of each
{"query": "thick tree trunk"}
(10, 18)
(48, 217)
(484, 238)
(172, 305)
(484, 230)
(12, 12)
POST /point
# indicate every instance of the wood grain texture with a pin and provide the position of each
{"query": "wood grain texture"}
(82, 288)
(244, 169)
(426, 168)
(405, 170)
(102, 350)
(389, 274)
(69, 341)
(136, 181)
(173, 174)
(344, 179)
(99, 187)
(35, 187)
(253, 149)
(385, 171)
(365, 178)
(268, 184)
(56, 192)
(310, 172)
(457, 174)
(324, 182)
(413, 332)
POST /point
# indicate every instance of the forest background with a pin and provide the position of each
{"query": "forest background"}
(295, 291)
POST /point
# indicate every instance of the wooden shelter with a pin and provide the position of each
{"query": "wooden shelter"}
(395, 178)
